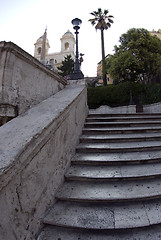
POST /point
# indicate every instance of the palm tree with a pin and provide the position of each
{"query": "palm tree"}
(102, 21)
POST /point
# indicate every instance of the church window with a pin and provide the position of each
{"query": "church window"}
(66, 46)
(39, 50)
(51, 61)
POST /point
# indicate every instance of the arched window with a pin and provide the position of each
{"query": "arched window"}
(55, 61)
(51, 61)
(66, 46)
(39, 50)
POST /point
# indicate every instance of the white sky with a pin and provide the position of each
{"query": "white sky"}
(24, 21)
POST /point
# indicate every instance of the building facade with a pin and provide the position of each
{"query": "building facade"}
(156, 33)
(54, 59)
(99, 74)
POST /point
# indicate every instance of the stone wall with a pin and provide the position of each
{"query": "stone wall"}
(104, 109)
(35, 150)
(24, 81)
(152, 108)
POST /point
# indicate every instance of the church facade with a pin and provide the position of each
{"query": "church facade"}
(55, 59)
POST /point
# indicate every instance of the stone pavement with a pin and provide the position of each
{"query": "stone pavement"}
(112, 190)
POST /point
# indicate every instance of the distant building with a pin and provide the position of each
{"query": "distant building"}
(54, 59)
(99, 74)
(156, 33)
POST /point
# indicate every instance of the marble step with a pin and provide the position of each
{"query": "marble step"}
(98, 138)
(121, 130)
(123, 118)
(112, 191)
(108, 191)
(118, 147)
(120, 115)
(113, 173)
(61, 233)
(121, 124)
(96, 216)
(117, 158)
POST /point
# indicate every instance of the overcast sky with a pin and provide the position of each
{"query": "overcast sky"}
(24, 21)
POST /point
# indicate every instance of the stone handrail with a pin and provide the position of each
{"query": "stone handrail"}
(24, 81)
(35, 150)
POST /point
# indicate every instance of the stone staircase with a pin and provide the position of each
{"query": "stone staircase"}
(112, 190)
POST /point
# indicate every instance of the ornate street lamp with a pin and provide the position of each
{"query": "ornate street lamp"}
(77, 74)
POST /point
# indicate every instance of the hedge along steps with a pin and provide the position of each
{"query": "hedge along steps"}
(119, 95)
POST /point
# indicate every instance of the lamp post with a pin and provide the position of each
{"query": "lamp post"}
(77, 74)
(129, 74)
(131, 98)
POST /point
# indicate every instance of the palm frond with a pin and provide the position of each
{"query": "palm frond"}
(99, 10)
(101, 19)
(110, 20)
(92, 13)
(93, 22)
(110, 16)
(106, 11)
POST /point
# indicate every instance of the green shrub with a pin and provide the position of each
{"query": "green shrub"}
(119, 95)
(152, 93)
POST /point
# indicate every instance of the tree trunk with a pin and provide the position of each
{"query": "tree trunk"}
(103, 59)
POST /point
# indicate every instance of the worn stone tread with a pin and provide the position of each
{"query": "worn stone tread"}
(110, 191)
(104, 216)
(121, 124)
(122, 146)
(123, 118)
(120, 138)
(117, 157)
(118, 115)
(60, 233)
(126, 172)
(122, 130)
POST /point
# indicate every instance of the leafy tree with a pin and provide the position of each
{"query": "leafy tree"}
(67, 66)
(102, 21)
(138, 57)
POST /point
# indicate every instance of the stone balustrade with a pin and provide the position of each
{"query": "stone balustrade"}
(24, 81)
(35, 150)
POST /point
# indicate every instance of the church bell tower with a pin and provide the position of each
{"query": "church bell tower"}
(42, 47)
(68, 43)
